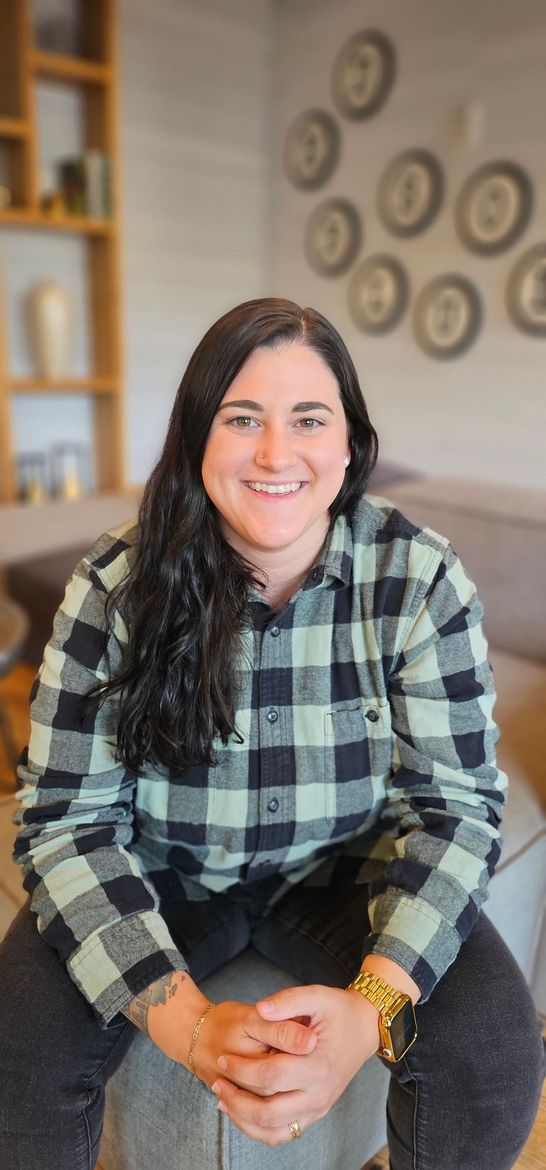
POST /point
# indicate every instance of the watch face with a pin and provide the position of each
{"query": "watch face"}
(363, 74)
(526, 292)
(332, 238)
(494, 208)
(447, 316)
(402, 1030)
(311, 149)
(410, 192)
(378, 294)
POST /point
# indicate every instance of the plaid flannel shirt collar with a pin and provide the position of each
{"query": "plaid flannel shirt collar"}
(335, 564)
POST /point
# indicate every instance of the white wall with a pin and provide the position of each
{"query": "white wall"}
(196, 110)
(484, 414)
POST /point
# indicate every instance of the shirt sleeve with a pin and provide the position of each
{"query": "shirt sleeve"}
(445, 795)
(76, 817)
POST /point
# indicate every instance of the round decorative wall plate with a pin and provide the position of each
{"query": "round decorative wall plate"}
(363, 74)
(332, 237)
(494, 208)
(410, 192)
(526, 292)
(311, 149)
(447, 316)
(378, 294)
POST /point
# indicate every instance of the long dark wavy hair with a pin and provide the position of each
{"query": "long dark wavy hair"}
(184, 600)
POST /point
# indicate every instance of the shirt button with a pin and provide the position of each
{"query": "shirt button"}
(272, 716)
(274, 631)
(273, 804)
(372, 716)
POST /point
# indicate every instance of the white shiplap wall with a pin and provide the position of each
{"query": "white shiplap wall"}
(196, 81)
(196, 109)
(483, 415)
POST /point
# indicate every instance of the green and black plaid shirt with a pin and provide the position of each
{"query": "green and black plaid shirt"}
(366, 724)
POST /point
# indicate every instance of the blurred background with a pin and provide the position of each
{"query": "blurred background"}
(210, 157)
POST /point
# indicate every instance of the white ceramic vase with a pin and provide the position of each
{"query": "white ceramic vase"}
(50, 329)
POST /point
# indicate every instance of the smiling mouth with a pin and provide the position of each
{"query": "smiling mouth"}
(275, 489)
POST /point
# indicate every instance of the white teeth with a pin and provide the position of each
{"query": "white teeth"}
(275, 489)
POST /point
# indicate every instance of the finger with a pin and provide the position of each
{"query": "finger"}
(292, 1002)
(285, 1035)
(262, 1112)
(275, 1136)
(278, 1072)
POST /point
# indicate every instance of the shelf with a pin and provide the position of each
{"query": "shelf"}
(22, 217)
(89, 74)
(93, 385)
(14, 128)
(60, 67)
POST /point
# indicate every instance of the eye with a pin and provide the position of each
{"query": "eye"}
(242, 422)
(309, 424)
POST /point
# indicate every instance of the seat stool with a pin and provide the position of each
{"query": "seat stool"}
(159, 1115)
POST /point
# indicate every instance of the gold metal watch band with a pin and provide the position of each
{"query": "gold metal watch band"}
(391, 1005)
(380, 993)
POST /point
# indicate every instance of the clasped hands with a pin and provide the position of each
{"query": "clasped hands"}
(289, 1057)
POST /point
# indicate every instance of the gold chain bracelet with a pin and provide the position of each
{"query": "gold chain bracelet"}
(195, 1034)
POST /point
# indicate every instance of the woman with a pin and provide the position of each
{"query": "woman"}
(265, 714)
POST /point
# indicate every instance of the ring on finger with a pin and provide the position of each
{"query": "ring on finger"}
(294, 1128)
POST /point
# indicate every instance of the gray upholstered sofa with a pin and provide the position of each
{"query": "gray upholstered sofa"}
(157, 1115)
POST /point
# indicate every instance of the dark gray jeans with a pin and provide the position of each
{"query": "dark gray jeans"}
(464, 1098)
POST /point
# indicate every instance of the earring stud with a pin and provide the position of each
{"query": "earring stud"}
(346, 461)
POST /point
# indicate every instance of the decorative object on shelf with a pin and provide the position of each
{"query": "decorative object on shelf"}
(50, 320)
(5, 197)
(32, 477)
(447, 316)
(60, 34)
(332, 237)
(526, 292)
(494, 208)
(378, 294)
(411, 191)
(68, 474)
(311, 149)
(363, 74)
(83, 184)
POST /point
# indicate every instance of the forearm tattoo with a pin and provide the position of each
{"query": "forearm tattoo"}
(159, 992)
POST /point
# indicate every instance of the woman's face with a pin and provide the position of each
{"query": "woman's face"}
(274, 459)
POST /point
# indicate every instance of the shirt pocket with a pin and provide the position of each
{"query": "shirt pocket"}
(357, 762)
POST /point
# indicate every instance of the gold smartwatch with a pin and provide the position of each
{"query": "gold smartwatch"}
(397, 1024)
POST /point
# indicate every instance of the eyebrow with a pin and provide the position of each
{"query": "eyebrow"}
(299, 408)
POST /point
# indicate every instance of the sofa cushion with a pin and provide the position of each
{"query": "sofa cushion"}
(499, 532)
(39, 585)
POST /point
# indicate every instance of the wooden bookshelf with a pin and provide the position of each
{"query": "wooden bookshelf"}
(58, 67)
(63, 385)
(22, 65)
(46, 221)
